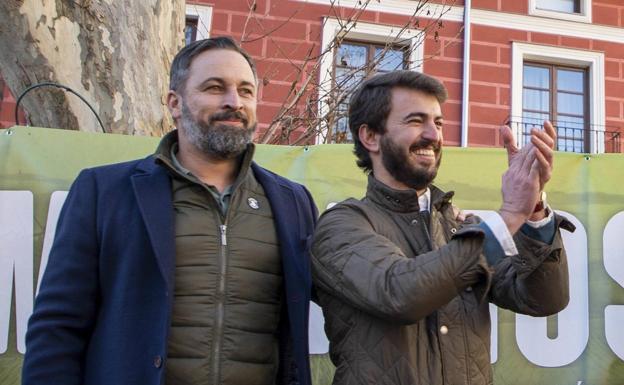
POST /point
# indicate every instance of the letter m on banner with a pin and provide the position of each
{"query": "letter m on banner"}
(16, 259)
(16, 264)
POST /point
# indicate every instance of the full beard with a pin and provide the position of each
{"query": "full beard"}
(396, 161)
(218, 140)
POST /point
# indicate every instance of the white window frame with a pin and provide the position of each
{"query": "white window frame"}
(593, 61)
(204, 19)
(365, 32)
(585, 16)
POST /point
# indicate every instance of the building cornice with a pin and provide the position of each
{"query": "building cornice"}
(548, 25)
(489, 18)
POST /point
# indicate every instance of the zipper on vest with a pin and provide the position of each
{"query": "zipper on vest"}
(223, 229)
(220, 307)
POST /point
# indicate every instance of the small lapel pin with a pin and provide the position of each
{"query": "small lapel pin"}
(253, 203)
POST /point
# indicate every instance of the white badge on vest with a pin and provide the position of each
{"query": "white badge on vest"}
(253, 203)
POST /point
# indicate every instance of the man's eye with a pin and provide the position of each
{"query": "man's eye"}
(214, 88)
(246, 91)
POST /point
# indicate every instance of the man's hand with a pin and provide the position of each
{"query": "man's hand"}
(544, 140)
(529, 170)
(460, 215)
(520, 188)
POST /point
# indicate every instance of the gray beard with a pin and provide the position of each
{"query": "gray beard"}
(217, 140)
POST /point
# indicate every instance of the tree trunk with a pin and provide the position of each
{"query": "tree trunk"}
(114, 53)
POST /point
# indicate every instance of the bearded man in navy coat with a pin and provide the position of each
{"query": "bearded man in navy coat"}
(186, 267)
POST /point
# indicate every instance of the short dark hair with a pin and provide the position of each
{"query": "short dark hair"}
(371, 103)
(183, 59)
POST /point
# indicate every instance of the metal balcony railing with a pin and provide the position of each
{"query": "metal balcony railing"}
(575, 137)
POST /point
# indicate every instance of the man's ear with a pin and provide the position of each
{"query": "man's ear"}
(369, 138)
(174, 104)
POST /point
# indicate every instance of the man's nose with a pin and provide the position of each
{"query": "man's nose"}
(232, 100)
(431, 132)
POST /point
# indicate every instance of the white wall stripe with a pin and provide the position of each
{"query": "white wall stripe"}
(399, 7)
(494, 19)
(548, 25)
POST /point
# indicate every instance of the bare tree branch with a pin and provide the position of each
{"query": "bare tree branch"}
(312, 108)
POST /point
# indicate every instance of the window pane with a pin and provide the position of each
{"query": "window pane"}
(342, 133)
(538, 77)
(571, 122)
(536, 100)
(341, 129)
(347, 79)
(391, 60)
(570, 133)
(558, 5)
(190, 30)
(530, 120)
(351, 55)
(566, 91)
(342, 125)
(570, 145)
(534, 118)
(351, 66)
(568, 80)
(570, 103)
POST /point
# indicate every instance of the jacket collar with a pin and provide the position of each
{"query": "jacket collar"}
(403, 201)
(152, 189)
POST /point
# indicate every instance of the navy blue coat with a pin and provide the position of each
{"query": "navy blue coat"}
(102, 314)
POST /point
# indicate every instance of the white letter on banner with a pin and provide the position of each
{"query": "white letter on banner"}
(493, 333)
(613, 255)
(54, 210)
(16, 254)
(572, 322)
(319, 344)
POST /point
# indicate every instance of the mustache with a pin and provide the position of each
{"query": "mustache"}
(230, 115)
(425, 143)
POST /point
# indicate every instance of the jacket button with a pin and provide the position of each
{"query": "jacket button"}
(469, 289)
(453, 230)
(414, 222)
(157, 361)
(443, 330)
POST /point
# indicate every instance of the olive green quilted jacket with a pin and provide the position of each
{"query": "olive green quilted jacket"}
(406, 303)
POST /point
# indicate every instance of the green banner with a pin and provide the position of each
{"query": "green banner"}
(581, 345)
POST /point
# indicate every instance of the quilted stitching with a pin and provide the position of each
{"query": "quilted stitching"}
(370, 349)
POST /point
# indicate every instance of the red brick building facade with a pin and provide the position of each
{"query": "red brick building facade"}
(528, 59)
